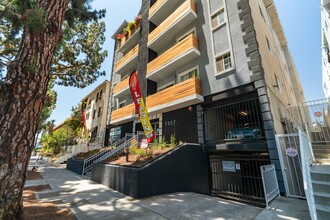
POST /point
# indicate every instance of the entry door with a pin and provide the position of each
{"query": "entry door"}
(289, 153)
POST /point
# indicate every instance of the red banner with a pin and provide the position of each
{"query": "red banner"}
(140, 106)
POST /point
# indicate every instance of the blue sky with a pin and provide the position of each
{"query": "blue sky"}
(300, 20)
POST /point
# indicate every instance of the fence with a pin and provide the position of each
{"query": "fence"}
(269, 181)
(313, 117)
(307, 159)
(232, 122)
(238, 176)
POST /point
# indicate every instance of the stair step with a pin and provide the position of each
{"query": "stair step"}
(322, 169)
(322, 198)
(322, 211)
(322, 155)
(324, 208)
(321, 186)
(323, 161)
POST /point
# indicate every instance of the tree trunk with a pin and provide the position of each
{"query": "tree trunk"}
(21, 99)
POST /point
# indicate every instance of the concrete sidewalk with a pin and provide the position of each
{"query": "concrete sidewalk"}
(90, 200)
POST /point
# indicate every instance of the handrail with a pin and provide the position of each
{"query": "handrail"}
(122, 143)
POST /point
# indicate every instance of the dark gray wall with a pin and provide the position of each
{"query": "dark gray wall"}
(75, 165)
(184, 169)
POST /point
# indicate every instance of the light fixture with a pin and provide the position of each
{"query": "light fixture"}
(243, 113)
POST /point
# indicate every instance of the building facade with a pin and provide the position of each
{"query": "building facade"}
(325, 23)
(217, 73)
(95, 106)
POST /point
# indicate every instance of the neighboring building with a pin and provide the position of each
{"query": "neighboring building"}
(218, 72)
(325, 24)
(96, 105)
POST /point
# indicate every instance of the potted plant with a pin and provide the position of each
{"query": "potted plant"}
(137, 19)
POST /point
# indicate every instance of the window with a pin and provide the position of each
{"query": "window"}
(122, 104)
(167, 85)
(94, 111)
(97, 97)
(278, 83)
(99, 112)
(192, 31)
(100, 95)
(188, 74)
(269, 46)
(218, 19)
(262, 14)
(223, 63)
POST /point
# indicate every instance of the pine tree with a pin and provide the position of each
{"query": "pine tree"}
(40, 40)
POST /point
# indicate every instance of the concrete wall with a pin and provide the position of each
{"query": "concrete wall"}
(185, 169)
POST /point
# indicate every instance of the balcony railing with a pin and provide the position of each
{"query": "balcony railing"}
(181, 53)
(186, 93)
(130, 39)
(156, 7)
(181, 17)
(122, 64)
(121, 87)
(123, 114)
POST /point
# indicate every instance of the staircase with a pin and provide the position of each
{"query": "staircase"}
(320, 175)
(119, 147)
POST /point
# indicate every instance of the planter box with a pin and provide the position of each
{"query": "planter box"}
(184, 169)
(75, 165)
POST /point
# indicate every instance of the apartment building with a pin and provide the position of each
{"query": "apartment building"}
(95, 106)
(325, 23)
(217, 73)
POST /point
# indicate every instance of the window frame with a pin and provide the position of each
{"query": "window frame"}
(179, 75)
(231, 63)
(222, 9)
(122, 102)
(186, 34)
(165, 86)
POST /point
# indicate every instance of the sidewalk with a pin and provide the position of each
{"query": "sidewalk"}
(90, 200)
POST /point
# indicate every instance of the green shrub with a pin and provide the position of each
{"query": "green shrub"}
(172, 141)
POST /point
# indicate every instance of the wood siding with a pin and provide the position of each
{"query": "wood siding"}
(156, 6)
(184, 89)
(178, 91)
(186, 44)
(128, 110)
(121, 86)
(127, 57)
(183, 9)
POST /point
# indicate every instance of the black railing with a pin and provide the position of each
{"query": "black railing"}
(236, 121)
(238, 176)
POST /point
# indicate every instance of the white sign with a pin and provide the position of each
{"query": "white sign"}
(238, 166)
(291, 152)
(228, 166)
(144, 143)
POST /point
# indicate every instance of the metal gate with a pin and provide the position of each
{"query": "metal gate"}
(290, 158)
(237, 176)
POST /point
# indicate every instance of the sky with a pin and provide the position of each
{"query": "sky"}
(300, 21)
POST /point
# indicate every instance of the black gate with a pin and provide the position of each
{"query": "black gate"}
(237, 176)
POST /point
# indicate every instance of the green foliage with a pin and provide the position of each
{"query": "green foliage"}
(78, 55)
(75, 120)
(52, 143)
(172, 141)
(141, 153)
(159, 145)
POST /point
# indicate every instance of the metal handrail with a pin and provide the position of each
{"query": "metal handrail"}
(89, 162)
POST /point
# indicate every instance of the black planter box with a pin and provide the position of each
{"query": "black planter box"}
(184, 169)
(75, 165)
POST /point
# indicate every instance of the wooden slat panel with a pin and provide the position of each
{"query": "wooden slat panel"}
(120, 86)
(181, 90)
(128, 110)
(175, 51)
(155, 6)
(185, 7)
(127, 57)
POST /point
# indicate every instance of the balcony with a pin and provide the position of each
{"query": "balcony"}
(128, 62)
(123, 114)
(181, 95)
(129, 41)
(178, 55)
(162, 9)
(121, 89)
(172, 25)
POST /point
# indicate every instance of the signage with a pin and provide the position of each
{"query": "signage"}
(318, 114)
(144, 143)
(140, 106)
(228, 166)
(291, 152)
